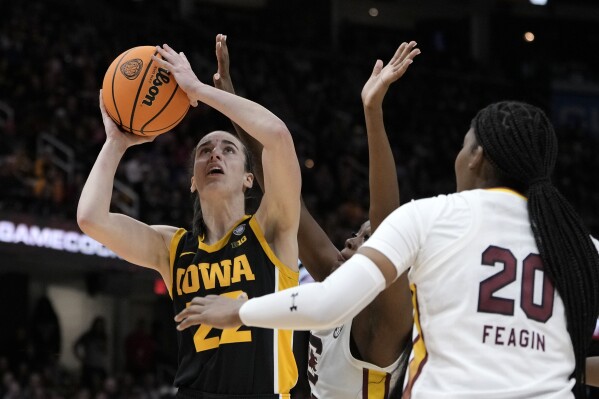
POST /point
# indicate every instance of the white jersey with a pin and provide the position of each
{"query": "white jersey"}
(488, 323)
(334, 373)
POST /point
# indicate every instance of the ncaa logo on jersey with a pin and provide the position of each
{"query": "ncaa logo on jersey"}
(239, 230)
(337, 332)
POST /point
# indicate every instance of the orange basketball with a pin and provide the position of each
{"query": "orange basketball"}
(142, 97)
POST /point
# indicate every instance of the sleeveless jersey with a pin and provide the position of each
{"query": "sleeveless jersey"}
(334, 373)
(488, 322)
(243, 361)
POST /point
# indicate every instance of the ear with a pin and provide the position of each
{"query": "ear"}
(476, 158)
(193, 187)
(248, 181)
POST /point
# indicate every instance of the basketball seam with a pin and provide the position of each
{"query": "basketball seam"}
(163, 108)
(143, 79)
(166, 127)
(118, 65)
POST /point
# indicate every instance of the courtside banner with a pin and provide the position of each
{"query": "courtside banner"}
(52, 238)
(33, 243)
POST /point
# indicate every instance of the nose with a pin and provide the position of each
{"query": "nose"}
(215, 154)
(350, 244)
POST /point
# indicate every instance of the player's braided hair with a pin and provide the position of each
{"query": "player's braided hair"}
(519, 141)
(198, 225)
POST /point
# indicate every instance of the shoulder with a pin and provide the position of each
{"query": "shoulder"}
(168, 232)
(172, 236)
(441, 211)
(433, 207)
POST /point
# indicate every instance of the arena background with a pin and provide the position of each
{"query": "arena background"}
(304, 60)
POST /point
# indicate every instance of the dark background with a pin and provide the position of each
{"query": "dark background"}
(304, 60)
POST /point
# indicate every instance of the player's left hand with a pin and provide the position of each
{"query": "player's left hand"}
(214, 310)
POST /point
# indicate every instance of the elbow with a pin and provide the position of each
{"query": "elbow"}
(85, 220)
(280, 134)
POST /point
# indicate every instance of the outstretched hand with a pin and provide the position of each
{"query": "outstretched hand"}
(376, 87)
(115, 134)
(222, 77)
(180, 67)
(220, 311)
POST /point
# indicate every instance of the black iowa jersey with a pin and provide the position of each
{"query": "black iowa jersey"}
(242, 361)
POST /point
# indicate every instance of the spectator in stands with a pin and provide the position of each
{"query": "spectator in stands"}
(91, 349)
(45, 333)
(140, 350)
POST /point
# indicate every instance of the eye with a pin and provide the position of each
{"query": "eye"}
(366, 237)
(354, 235)
(229, 150)
(205, 150)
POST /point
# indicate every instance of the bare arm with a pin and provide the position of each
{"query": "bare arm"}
(279, 210)
(150, 248)
(316, 251)
(389, 317)
(384, 189)
(222, 80)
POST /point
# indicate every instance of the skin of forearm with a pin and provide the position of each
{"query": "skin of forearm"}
(94, 203)
(382, 174)
(256, 120)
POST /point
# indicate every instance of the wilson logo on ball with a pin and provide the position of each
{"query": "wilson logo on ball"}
(132, 68)
(141, 97)
(161, 78)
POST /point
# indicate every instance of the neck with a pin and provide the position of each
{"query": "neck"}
(220, 215)
(488, 184)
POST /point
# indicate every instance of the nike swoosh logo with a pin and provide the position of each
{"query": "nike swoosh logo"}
(187, 253)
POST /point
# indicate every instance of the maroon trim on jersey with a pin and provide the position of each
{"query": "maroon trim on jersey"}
(407, 394)
(387, 384)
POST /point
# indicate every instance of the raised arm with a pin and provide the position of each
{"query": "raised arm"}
(316, 251)
(347, 291)
(222, 80)
(131, 239)
(279, 209)
(389, 316)
(384, 188)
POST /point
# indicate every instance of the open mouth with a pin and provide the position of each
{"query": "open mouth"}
(215, 171)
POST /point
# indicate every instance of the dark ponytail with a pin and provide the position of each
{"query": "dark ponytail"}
(519, 141)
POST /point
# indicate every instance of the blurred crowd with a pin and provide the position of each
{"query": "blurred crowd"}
(53, 56)
(30, 367)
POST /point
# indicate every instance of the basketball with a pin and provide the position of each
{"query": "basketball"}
(142, 97)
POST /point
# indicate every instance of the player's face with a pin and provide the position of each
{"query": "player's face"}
(464, 177)
(219, 165)
(356, 240)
